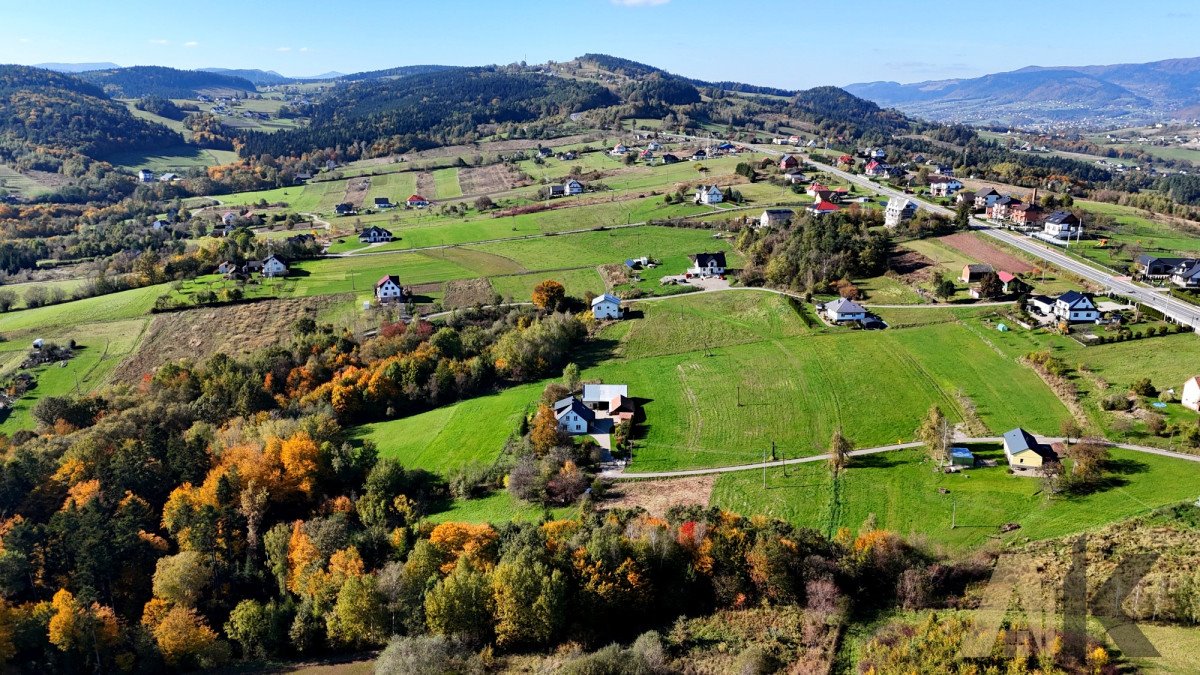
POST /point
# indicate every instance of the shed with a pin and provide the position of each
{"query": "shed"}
(962, 457)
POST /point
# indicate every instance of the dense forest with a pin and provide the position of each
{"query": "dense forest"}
(423, 111)
(635, 70)
(401, 71)
(46, 118)
(142, 81)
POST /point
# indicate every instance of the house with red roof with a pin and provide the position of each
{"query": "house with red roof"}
(1012, 284)
(388, 288)
(815, 188)
(846, 159)
(417, 201)
(876, 168)
(822, 207)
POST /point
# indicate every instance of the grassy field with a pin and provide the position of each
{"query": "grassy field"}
(901, 490)
(578, 283)
(499, 507)
(103, 346)
(55, 318)
(1136, 231)
(13, 181)
(172, 159)
(445, 183)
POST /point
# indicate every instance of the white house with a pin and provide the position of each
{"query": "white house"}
(844, 310)
(145, 176)
(1186, 274)
(899, 210)
(273, 267)
(388, 288)
(1063, 225)
(944, 186)
(707, 264)
(618, 149)
(573, 187)
(1075, 307)
(654, 145)
(417, 201)
(575, 418)
(985, 197)
(374, 234)
(1191, 394)
(772, 217)
(709, 194)
(606, 306)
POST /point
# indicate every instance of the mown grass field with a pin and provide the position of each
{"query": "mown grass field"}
(1136, 231)
(519, 287)
(901, 490)
(13, 181)
(54, 318)
(172, 159)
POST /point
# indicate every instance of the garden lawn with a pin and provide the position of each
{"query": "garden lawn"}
(468, 432)
(498, 508)
(901, 491)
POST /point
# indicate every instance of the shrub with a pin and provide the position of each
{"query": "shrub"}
(1116, 402)
(1144, 387)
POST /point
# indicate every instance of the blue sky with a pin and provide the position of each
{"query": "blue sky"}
(792, 44)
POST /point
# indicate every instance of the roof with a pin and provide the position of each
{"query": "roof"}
(1146, 259)
(604, 392)
(1072, 297)
(981, 268)
(607, 297)
(703, 259)
(382, 200)
(578, 408)
(964, 453)
(824, 206)
(563, 403)
(1060, 217)
(386, 278)
(1006, 276)
(417, 198)
(1018, 440)
(901, 203)
(620, 403)
(844, 306)
(778, 212)
(986, 191)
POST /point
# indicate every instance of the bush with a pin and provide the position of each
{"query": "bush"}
(1144, 387)
(427, 655)
(1116, 402)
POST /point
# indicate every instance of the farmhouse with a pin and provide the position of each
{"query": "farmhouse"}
(168, 178)
(669, 159)
(384, 203)
(606, 307)
(794, 177)
(374, 234)
(654, 145)
(544, 152)
(1063, 225)
(575, 418)
(699, 155)
(1186, 274)
(974, 272)
(815, 188)
(846, 159)
(618, 150)
(145, 176)
(1012, 284)
(899, 210)
(572, 187)
(707, 264)
(1025, 453)
(788, 162)
(709, 194)
(388, 288)
(1072, 307)
(228, 218)
(417, 201)
(772, 217)
(600, 396)
(875, 168)
(842, 309)
(1153, 267)
(1191, 394)
(344, 209)
(273, 267)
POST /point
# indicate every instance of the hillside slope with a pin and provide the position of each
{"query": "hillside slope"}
(140, 81)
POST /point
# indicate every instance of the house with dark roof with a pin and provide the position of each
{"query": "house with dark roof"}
(384, 203)
(699, 155)
(388, 288)
(985, 197)
(344, 209)
(274, 267)
(668, 158)
(1075, 307)
(841, 310)
(1000, 208)
(544, 152)
(944, 186)
(572, 187)
(1026, 215)
(1155, 267)
(1186, 274)
(1062, 225)
(788, 162)
(772, 217)
(707, 264)
(606, 306)
(975, 271)
(575, 418)
(709, 194)
(374, 234)
(1025, 453)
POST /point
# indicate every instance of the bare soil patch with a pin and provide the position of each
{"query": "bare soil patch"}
(614, 274)
(656, 496)
(911, 266)
(985, 252)
(356, 191)
(467, 293)
(196, 334)
(489, 179)
(426, 185)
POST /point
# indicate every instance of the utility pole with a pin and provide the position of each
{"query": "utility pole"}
(764, 468)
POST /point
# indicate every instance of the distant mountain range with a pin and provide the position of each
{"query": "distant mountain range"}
(76, 67)
(1122, 93)
(254, 75)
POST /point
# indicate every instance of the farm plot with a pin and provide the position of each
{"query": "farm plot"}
(445, 184)
(54, 319)
(13, 181)
(519, 287)
(976, 248)
(487, 179)
(611, 246)
(902, 494)
(235, 330)
(330, 276)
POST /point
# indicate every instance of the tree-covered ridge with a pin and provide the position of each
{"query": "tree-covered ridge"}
(140, 81)
(400, 71)
(56, 112)
(634, 69)
(422, 111)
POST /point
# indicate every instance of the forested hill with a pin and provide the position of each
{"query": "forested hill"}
(253, 75)
(140, 81)
(843, 114)
(401, 71)
(378, 117)
(634, 69)
(62, 115)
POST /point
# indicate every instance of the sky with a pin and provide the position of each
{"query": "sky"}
(784, 43)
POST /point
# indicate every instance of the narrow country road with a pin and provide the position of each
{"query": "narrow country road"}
(618, 474)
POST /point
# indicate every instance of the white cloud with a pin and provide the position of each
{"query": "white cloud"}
(304, 49)
(159, 41)
(191, 43)
(639, 3)
(283, 49)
